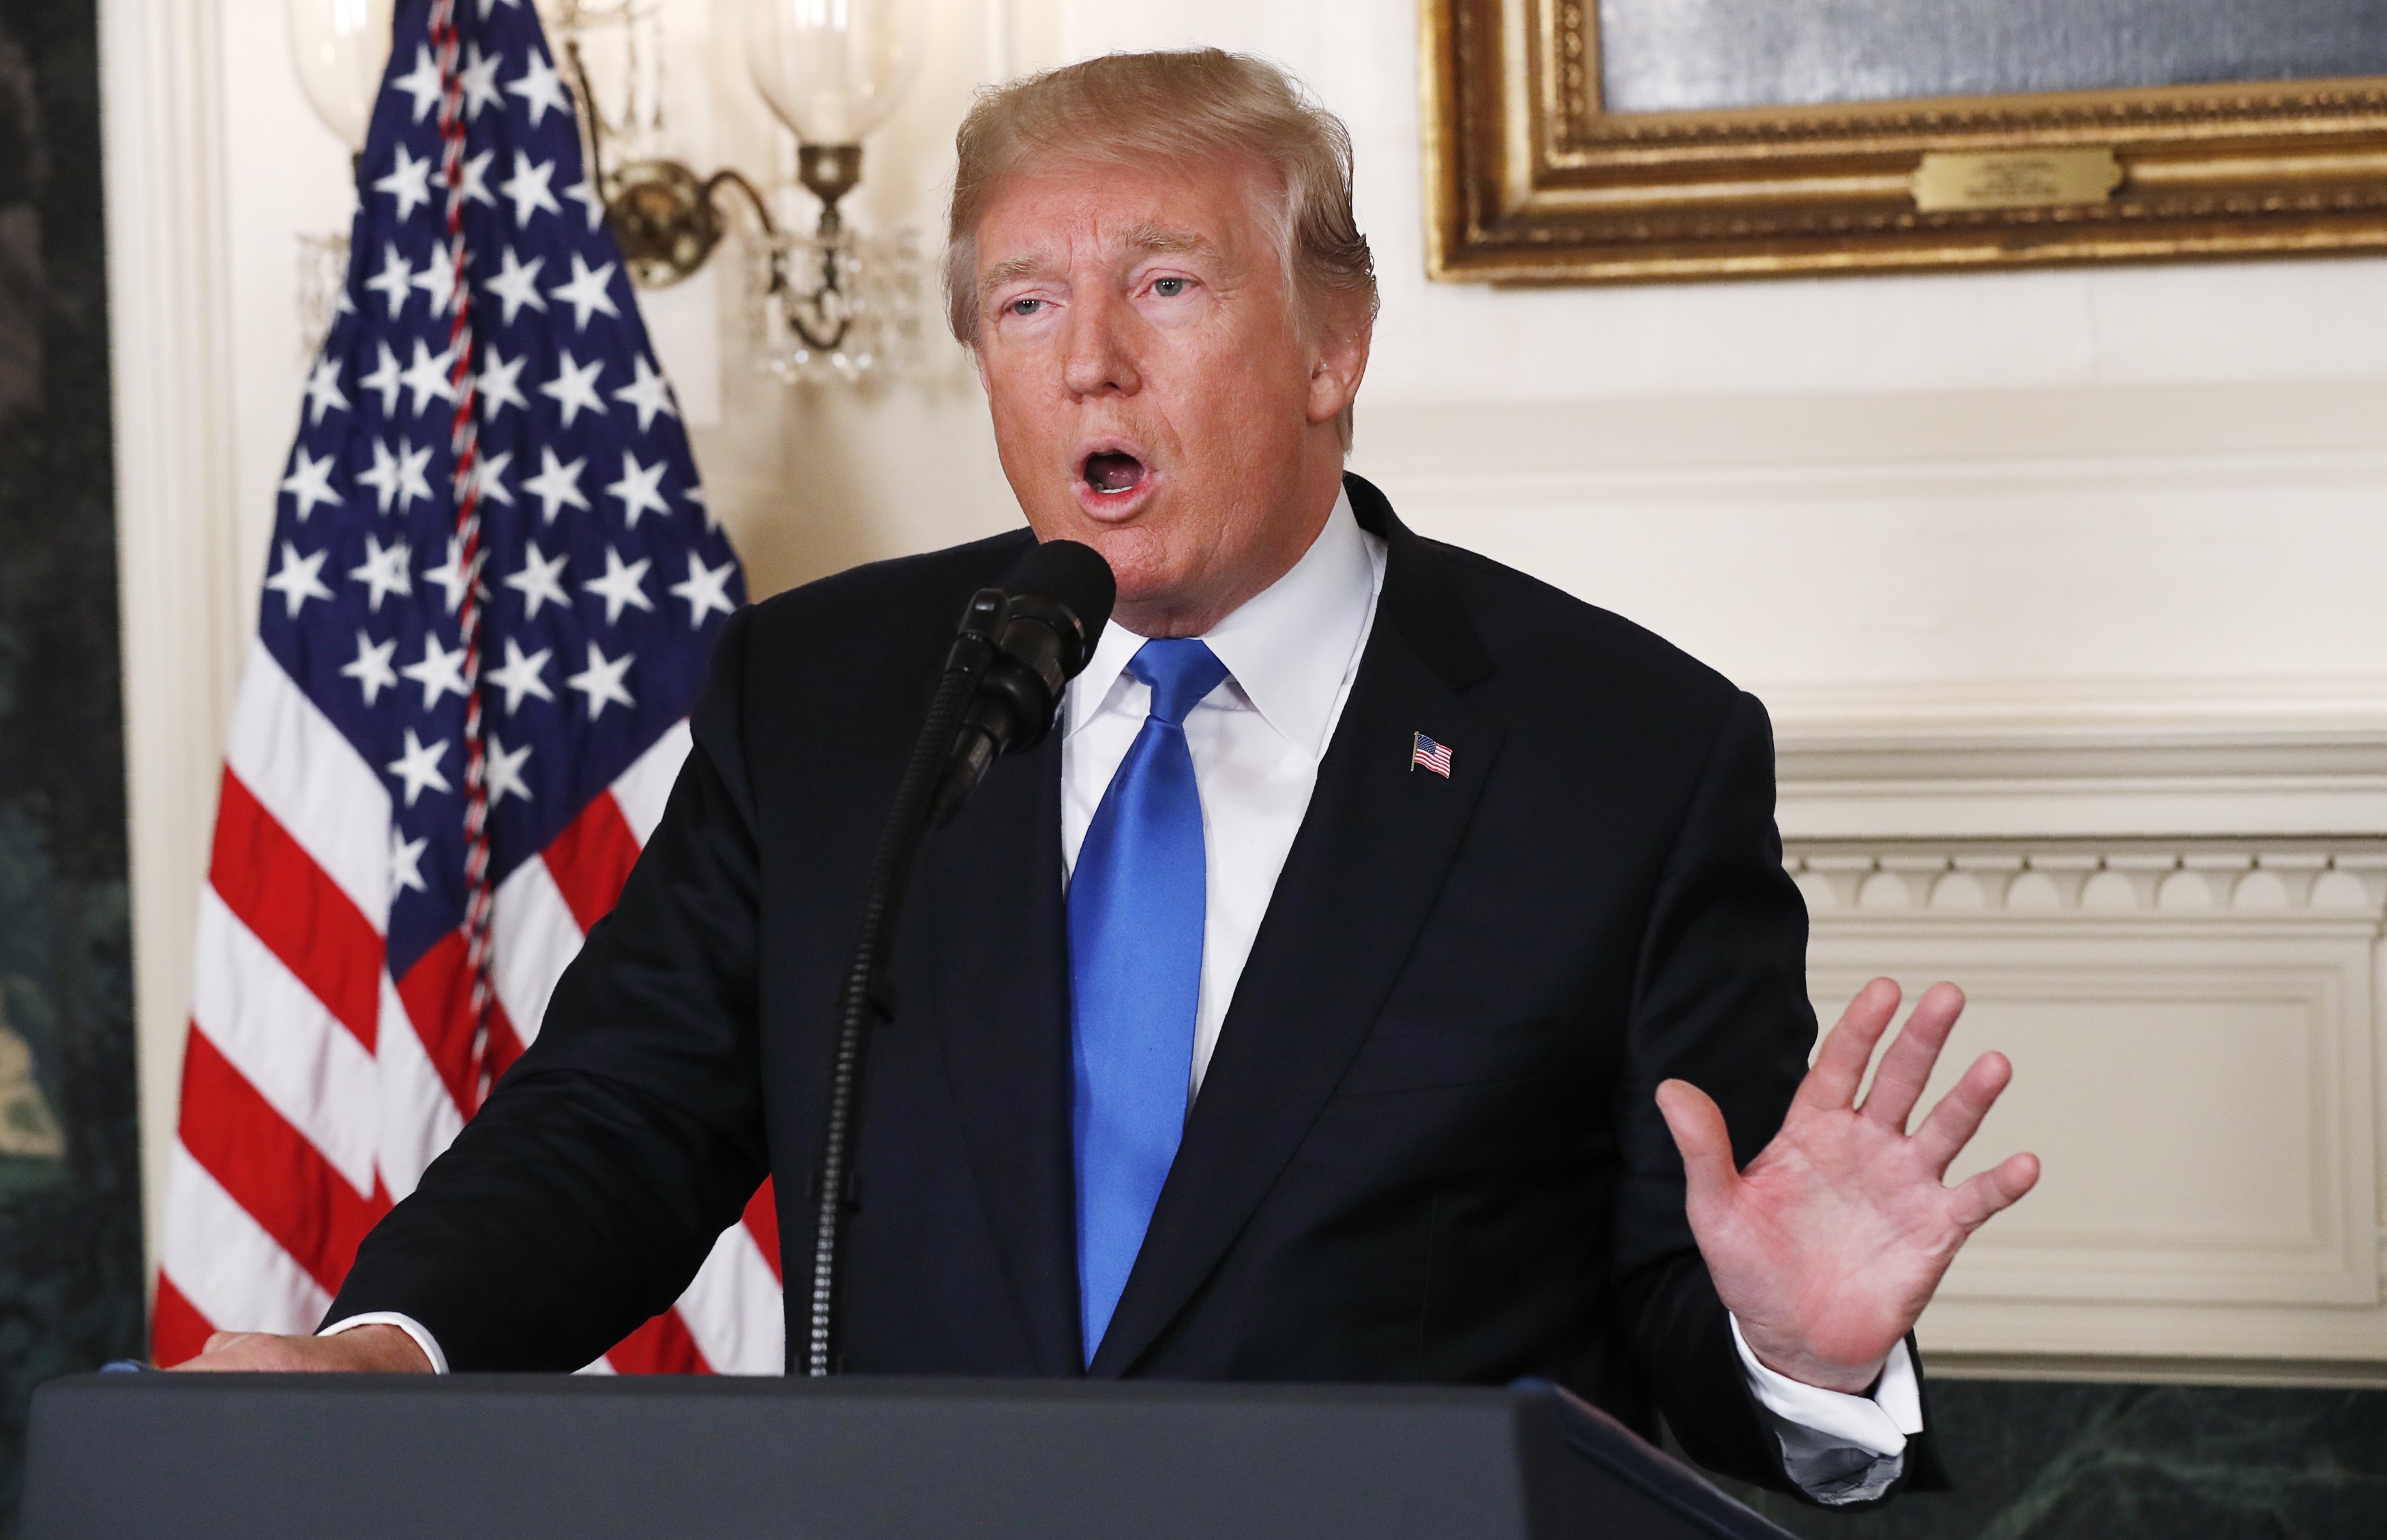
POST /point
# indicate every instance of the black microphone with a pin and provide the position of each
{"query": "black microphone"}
(1027, 639)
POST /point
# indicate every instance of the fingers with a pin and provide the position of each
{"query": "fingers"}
(1696, 1123)
(1995, 1189)
(1957, 1117)
(1831, 1085)
(1906, 1067)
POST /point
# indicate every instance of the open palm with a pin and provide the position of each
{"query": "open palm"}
(1831, 1242)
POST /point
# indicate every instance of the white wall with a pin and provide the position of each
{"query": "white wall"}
(2089, 556)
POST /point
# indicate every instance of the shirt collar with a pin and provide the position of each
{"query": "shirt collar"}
(1288, 648)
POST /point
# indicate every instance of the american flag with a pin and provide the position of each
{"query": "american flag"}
(493, 589)
(1433, 756)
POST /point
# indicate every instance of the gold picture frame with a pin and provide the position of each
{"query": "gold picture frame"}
(1529, 181)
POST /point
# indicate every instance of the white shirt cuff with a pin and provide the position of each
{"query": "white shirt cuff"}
(430, 1344)
(1839, 1448)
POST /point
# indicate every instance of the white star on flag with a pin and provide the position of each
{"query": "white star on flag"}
(540, 581)
(489, 478)
(439, 671)
(601, 681)
(427, 376)
(574, 388)
(621, 585)
(522, 673)
(404, 863)
(386, 380)
(437, 279)
(323, 390)
(541, 87)
(408, 182)
(501, 772)
(585, 294)
(585, 194)
(476, 178)
(706, 589)
(527, 188)
(395, 282)
(497, 383)
(385, 572)
(310, 482)
(449, 576)
(422, 82)
(297, 582)
(479, 77)
(372, 671)
(557, 484)
(639, 490)
(651, 393)
(418, 766)
(516, 284)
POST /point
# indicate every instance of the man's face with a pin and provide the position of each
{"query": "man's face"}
(1154, 391)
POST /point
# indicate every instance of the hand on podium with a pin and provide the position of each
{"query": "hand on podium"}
(1828, 1246)
(361, 1350)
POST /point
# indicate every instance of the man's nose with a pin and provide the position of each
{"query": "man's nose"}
(1101, 356)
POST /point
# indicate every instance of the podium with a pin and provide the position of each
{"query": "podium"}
(193, 1456)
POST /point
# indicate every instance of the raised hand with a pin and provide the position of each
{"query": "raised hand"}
(1829, 1245)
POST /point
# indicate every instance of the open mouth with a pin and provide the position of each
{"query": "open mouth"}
(1114, 473)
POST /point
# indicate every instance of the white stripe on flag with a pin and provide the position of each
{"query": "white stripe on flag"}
(418, 1117)
(732, 1309)
(313, 781)
(308, 1067)
(645, 787)
(535, 937)
(223, 1262)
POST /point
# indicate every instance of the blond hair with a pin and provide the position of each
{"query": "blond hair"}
(1176, 107)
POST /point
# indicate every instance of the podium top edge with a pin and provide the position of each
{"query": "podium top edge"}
(859, 1387)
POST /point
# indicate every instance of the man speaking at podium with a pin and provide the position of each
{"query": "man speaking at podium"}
(1385, 970)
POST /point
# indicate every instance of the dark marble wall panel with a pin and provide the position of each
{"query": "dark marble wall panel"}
(2041, 1461)
(71, 1285)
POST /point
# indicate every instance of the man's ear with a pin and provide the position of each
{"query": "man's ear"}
(977, 361)
(1342, 359)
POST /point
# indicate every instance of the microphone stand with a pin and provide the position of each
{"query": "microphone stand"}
(862, 1003)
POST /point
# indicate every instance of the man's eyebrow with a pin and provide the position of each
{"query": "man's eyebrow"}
(1012, 269)
(1154, 237)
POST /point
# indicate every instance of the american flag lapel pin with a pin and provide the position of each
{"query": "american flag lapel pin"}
(1433, 756)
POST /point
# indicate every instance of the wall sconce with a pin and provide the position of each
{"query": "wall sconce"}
(830, 304)
(340, 48)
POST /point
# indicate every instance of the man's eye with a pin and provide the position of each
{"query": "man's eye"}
(1025, 306)
(1168, 288)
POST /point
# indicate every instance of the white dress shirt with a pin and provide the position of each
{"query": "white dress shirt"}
(1292, 653)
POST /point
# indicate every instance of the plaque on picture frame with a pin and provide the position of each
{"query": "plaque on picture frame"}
(1616, 141)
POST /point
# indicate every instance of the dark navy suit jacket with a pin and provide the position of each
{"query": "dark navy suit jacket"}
(1426, 1148)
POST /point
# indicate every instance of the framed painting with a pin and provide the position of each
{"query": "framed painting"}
(1613, 141)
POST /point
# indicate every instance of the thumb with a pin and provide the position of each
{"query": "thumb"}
(1696, 1123)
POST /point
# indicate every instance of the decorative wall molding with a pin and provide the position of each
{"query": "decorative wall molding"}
(2338, 888)
(2195, 1030)
(181, 571)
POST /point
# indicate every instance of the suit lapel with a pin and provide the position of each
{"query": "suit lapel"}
(1361, 877)
(997, 926)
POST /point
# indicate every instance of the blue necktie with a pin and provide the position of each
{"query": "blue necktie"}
(1136, 908)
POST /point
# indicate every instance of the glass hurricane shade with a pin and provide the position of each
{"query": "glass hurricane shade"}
(833, 70)
(340, 47)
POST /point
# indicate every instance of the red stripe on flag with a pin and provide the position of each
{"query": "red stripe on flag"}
(294, 1195)
(660, 1347)
(267, 880)
(505, 1044)
(763, 1223)
(177, 1331)
(437, 992)
(592, 858)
